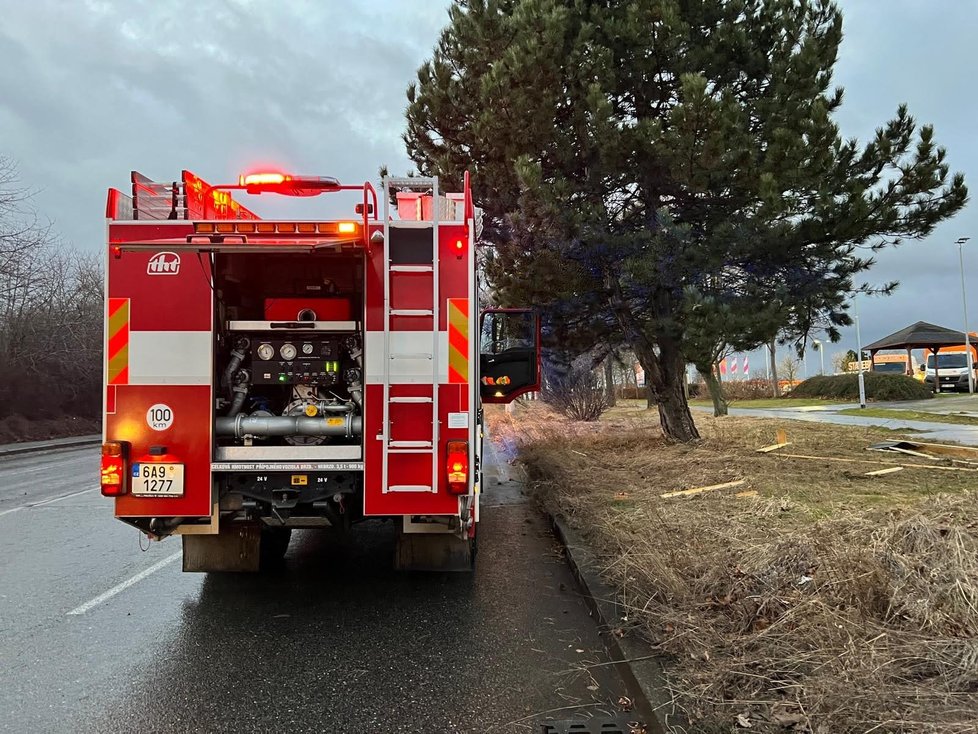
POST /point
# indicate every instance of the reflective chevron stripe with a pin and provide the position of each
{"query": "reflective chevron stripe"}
(458, 340)
(117, 350)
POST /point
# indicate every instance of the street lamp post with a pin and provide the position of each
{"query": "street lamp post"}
(821, 355)
(964, 302)
(859, 355)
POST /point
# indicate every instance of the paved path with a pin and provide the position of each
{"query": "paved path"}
(922, 430)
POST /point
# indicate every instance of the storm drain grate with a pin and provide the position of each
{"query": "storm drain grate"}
(593, 726)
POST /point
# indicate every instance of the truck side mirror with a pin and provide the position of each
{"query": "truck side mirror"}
(509, 359)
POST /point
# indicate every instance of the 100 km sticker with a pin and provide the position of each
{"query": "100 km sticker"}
(159, 417)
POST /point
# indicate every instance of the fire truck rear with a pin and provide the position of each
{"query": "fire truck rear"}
(267, 375)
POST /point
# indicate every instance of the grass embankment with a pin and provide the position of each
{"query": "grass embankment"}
(811, 598)
(16, 428)
(912, 415)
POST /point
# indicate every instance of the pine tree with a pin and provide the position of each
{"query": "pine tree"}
(652, 157)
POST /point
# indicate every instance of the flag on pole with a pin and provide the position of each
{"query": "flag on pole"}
(733, 365)
(746, 368)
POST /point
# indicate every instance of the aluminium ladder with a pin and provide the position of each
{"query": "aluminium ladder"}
(424, 409)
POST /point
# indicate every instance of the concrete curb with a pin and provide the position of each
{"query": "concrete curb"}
(636, 662)
(56, 444)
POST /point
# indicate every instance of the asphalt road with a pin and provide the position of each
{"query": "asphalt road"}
(99, 635)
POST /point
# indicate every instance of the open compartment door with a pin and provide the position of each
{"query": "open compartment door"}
(509, 360)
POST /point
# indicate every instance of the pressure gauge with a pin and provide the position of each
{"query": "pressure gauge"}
(307, 348)
(288, 352)
(265, 352)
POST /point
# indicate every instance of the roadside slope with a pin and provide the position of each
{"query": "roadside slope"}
(804, 595)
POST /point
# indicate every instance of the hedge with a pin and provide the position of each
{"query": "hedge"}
(879, 386)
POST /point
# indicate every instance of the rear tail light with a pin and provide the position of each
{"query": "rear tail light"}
(458, 467)
(115, 469)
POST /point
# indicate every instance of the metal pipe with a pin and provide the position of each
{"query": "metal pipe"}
(335, 407)
(242, 381)
(238, 403)
(240, 426)
(237, 357)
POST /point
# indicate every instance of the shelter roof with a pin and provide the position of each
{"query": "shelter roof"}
(918, 335)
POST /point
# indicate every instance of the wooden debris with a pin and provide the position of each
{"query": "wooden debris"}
(780, 441)
(773, 447)
(928, 467)
(881, 472)
(708, 488)
(748, 493)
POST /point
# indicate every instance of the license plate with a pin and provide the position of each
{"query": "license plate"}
(157, 480)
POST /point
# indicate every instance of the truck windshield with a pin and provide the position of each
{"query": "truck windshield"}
(958, 359)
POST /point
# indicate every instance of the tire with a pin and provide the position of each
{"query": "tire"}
(274, 544)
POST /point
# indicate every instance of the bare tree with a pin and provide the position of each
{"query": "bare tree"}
(50, 314)
(789, 367)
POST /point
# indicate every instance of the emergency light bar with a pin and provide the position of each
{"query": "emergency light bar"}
(285, 184)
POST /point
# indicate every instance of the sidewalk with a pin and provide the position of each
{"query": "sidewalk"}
(936, 432)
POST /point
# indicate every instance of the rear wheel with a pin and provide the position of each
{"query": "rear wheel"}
(274, 544)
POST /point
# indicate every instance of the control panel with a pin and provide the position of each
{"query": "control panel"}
(311, 360)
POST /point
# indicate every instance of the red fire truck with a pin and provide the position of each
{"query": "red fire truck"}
(264, 375)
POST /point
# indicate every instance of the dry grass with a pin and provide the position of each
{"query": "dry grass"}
(827, 602)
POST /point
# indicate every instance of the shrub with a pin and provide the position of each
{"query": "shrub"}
(578, 395)
(878, 387)
(747, 389)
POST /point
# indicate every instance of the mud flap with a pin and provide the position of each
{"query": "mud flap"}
(433, 552)
(235, 548)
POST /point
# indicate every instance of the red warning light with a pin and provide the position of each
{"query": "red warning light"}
(258, 179)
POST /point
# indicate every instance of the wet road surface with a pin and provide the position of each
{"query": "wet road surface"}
(335, 641)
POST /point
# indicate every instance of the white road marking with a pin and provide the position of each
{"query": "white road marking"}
(63, 497)
(48, 502)
(125, 584)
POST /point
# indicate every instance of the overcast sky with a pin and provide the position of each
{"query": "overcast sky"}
(90, 90)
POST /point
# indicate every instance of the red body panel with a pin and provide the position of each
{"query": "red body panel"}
(165, 307)
(187, 441)
(325, 309)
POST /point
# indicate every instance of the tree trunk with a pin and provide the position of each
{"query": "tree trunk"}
(609, 380)
(775, 385)
(665, 371)
(664, 376)
(715, 387)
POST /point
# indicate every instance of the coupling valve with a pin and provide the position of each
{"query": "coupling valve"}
(352, 344)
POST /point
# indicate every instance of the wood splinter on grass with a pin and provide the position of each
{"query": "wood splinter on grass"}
(708, 488)
(881, 472)
(781, 440)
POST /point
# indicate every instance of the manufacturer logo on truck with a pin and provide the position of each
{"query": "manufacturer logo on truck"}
(163, 263)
